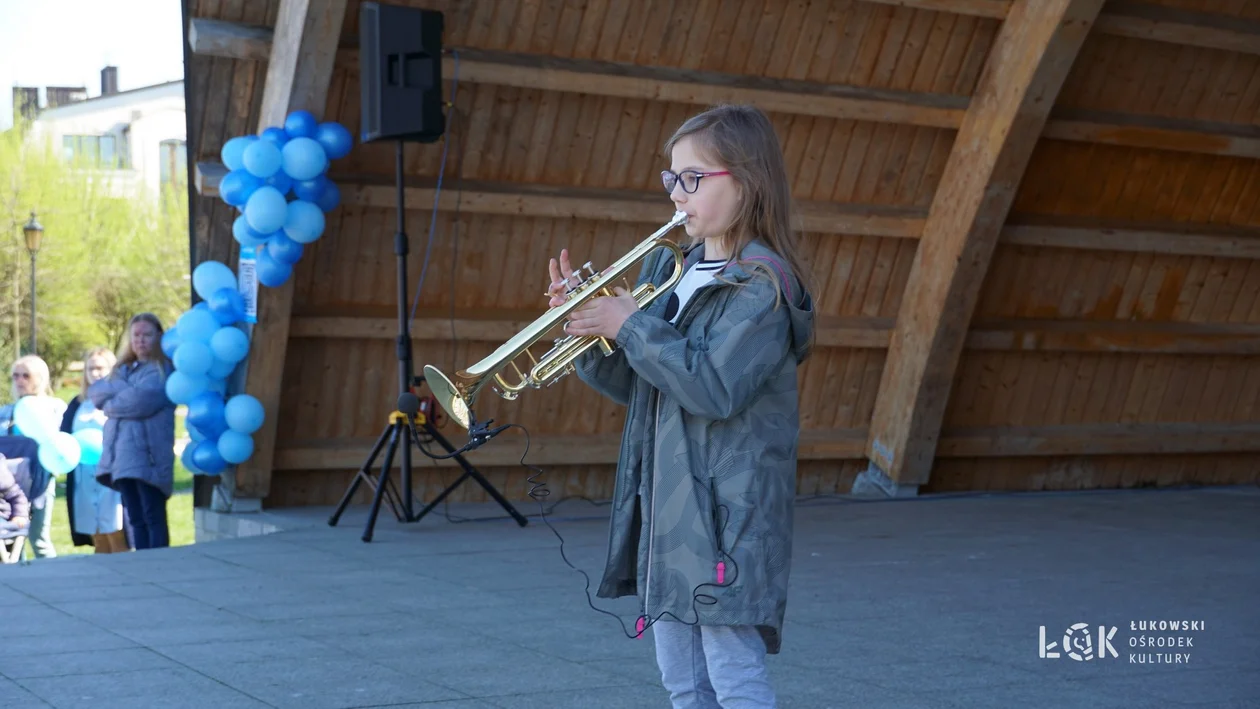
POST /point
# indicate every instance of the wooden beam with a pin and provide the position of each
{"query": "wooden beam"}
(599, 78)
(1180, 239)
(298, 74)
(995, 9)
(1030, 59)
(506, 450)
(1183, 27)
(1156, 132)
(1121, 18)
(535, 71)
(824, 444)
(1101, 439)
(816, 217)
(230, 40)
(1013, 335)
(527, 200)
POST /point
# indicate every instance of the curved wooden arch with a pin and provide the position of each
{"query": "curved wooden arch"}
(1024, 286)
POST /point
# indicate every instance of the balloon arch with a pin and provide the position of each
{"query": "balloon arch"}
(277, 181)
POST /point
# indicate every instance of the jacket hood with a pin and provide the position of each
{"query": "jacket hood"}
(799, 302)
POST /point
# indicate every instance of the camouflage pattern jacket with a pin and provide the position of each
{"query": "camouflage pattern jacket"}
(709, 446)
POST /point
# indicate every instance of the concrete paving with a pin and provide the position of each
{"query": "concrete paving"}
(910, 603)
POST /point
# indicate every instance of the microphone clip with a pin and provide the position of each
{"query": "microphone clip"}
(479, 433)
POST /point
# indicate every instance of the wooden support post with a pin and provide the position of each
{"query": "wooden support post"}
(303, 52)
(1030, 59)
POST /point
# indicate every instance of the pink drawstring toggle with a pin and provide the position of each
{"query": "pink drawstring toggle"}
(638, 627)
(721, 569)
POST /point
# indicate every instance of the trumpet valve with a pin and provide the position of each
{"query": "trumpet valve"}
(605, 346)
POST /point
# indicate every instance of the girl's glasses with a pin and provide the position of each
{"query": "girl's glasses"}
(690, 179)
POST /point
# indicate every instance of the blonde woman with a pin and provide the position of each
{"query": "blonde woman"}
(31, 379)
(138, 451)
(96, 513)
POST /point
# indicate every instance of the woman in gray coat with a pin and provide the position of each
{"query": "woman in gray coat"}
(138, 450)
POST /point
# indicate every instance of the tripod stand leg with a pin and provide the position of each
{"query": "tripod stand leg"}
(382, 481)
(359, 477)
(469, 472)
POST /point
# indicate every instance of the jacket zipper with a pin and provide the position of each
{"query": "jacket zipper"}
(651, 512)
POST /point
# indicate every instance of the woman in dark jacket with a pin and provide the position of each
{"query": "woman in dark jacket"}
(138, 452)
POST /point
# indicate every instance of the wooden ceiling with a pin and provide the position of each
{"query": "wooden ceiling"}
(1034, 224)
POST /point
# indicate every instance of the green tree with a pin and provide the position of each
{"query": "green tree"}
(108, 252)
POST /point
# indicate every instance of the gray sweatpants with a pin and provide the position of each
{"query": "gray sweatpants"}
(713, 666)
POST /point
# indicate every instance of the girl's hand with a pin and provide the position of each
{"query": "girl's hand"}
(562, 278)
(603, 316)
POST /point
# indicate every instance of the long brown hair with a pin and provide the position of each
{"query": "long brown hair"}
(104, 353)
(126, 356)
(742, 140)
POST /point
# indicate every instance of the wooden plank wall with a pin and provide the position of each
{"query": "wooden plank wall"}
(1115, 338)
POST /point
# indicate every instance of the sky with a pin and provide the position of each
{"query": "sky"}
(68, 42)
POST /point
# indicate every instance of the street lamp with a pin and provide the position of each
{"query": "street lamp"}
(34, 233)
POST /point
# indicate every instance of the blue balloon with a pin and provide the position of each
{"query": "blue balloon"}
(304, 159)
(300, 124)
(330, 198)
(243, 413)
(236, 187)
(275, 135)
(310, 190)
(271, 273)
(37, 417)
(283, 249)
(262, 158)
(181, 387)
(235, 447)
(193, 358)
(228, 306)
(187, 457)
(210, 276)
(233, 151)
(303, 222)
(207, 459)
(90, 441)
(196, 325)
(266, 210)
(221, 369)
(60, 453)
(282, 182)
(335, 139)
(205, 412)
(170, 341)
(245, 234)
(230, 345)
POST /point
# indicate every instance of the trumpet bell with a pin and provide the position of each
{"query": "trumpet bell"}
(447, 395)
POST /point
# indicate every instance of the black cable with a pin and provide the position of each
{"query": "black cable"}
(437, 193)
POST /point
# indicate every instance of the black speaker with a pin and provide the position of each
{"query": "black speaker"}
(400, 73)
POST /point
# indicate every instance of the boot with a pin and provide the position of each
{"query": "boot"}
(117, 541)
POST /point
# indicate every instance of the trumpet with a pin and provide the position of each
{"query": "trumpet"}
(458, 395)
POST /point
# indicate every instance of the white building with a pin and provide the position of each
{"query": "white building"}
(137, 139)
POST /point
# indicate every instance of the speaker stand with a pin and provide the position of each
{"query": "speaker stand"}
(399, 430)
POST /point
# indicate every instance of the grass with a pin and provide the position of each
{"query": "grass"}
(179, 509)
